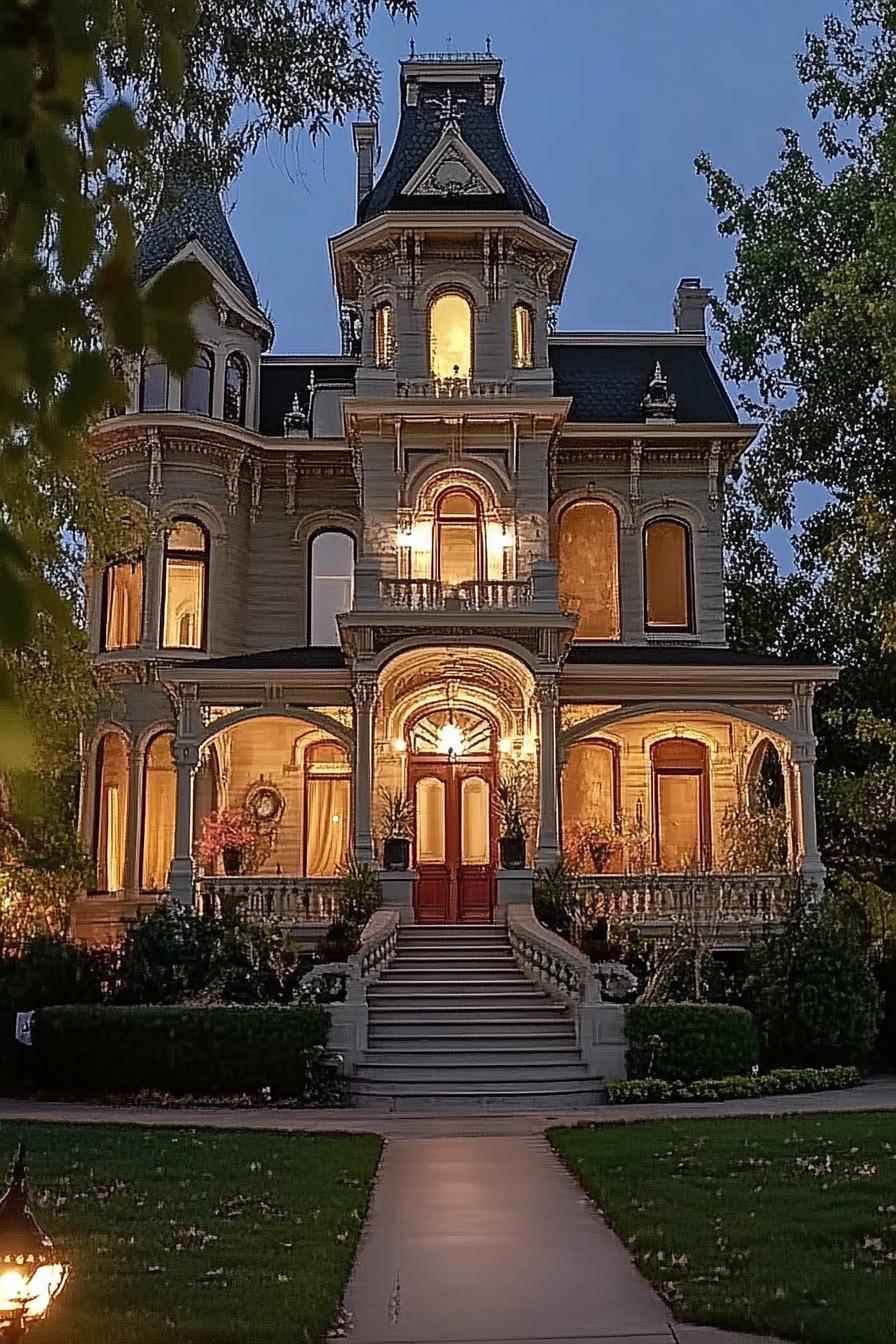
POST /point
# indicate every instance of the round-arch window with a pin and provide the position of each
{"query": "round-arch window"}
(451, 336)
(196, 388)
(236, 379)
(667, 574)
(588, 553)
(153, 384)
(184, 596)
(459, 550)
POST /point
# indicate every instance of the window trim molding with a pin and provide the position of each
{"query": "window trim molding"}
(448, 290)
(309, 581)
(240, 358)
(690, 628)
(201, 350)
(615, 749)
(381, 362)
(205, 556)
(705, 777)
(308, 774)
(157, 362)
(438, 524)
(521, 305)
(558, 524)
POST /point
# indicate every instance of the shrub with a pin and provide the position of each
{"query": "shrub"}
(684, 1041)
(108, 1050)
(885, 974)
(780, 1082)
(557, 899)
(360, 895)
(812, 992)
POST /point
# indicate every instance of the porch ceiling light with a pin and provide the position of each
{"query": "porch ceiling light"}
(451, 740)
(31, 1274)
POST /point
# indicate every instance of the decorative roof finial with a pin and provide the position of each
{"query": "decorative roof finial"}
(295, 421)
(413, 48)
(488, 46)
(659, 402)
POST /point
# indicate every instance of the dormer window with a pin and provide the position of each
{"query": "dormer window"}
(523, 357)
(196, 388)
(384, 336)
(153, 384)
(451, 337)
(236, 381)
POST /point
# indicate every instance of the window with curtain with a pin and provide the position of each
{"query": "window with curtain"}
(153, 384)
(332, 570)
(111, 811)
(384, 335)
(185, 586)
(236, 382)
(197, 384)
(451, 336)
(429, 810)
(590, 797)
(328, 787)
(122, 604)
(458, 553)
(667, 575)
(523, 356)
(681, 816)
(588, 555)
(159, 807)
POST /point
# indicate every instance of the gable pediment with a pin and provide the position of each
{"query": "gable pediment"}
(452, 168)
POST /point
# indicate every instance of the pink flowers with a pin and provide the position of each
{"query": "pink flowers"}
(230, 829)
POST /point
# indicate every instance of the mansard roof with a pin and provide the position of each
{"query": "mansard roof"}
(607, 376)
(285, 377)
(451, 128)
(188, 210)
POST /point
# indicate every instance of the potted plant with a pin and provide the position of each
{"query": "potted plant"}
(229, 834)
(396, 826)
(512, 797)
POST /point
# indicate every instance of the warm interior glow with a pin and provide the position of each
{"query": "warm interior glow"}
(185, 578)
(589, 567)
(112, 801)
(384, 336)
(666, 563)
(328, 789)
(680, 791)
(159, 800)
(124, 604)
(451, 740)
(474, 821)
(522, 337)
(450, 336)
(459, 535)
(430, 820)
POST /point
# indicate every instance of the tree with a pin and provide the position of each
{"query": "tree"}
(808, 319)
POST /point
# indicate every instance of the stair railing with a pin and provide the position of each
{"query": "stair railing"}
(350, 1020)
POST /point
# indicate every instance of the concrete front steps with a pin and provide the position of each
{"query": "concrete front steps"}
(454, 1024)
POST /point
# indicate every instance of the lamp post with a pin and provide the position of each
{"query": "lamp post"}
(31, 1274)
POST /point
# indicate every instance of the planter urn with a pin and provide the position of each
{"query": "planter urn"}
(513, 851)
(232, 859)
(396, 854)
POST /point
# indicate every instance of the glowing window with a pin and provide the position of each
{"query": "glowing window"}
(589, 567)
(332, 584)
(474, 821)
(328, 788)
(384, 336)
(458, 554)
(430, 809)
(159, 805)
(153, 384)
(122, 604)
(236, 381)
(185, 586)
(451, 337)
(522, 337)
(590, 792)
(667, 575)
(196, 386)
(111, 812)
(682, 829)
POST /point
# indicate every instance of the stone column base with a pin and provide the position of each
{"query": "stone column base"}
(180, 881)
(397, 893)
(514, 888)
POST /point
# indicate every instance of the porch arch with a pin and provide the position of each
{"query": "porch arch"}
(300, 715)
(588, 727)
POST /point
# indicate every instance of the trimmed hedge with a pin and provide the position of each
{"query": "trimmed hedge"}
(778, 1083)
(99, 1050)
(684, 1041)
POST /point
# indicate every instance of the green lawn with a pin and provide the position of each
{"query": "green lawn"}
(197, 1236)
(784, 1225)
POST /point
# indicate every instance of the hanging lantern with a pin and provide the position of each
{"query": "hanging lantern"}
(31, 1274)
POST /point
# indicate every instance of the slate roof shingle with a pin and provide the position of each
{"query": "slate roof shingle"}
(608, 382)
(280, 383)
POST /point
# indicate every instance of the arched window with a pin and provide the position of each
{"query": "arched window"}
(122, 619)
(451, 336)
(458, 554)
(236, 382)
(111, 811)
(185, 586)
(384, 336)
(682, 829)
(668, 575)
(590, 797)
(153, 384)
(328, 787)
(589, 567)
(196, 386)
(523, 356)
(332, 571)
(159, 804)
(765, 778)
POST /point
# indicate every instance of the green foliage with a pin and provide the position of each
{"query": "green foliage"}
(681, 1042)
(396, 814)
(107, 1050)
(359, 895)
(777, 1083)
(885, 974)
(812, 992)
(515, 800)
(557, 898)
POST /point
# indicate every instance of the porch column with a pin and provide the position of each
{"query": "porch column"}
(132, 876)
(548, 696)
(811, 867)
(180, 877)
(364, 692)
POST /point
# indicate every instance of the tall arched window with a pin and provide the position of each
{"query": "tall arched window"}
(384, 336)
(236, 382)
(523, 326)
(589, 567)
(328, 788)
(111, 811)
(332, 581)
(159, 804)
(451, 336)
(185, 586)
(197, 384)
(153, 383)
(458, 554)
(590, 797)
(682, 828)
(122, 619)
(668, 575)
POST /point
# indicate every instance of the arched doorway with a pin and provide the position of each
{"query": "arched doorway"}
(451, 786)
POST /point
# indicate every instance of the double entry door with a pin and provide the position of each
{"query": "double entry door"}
(454, 840)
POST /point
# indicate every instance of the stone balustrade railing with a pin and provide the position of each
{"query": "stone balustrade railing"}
(565, 972)
(379, 943)
(311, 900)
(744, 897)
(454, 388)
(478, 595)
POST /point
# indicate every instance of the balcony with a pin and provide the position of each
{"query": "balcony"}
(735, 905)
(454, 389)
(304, 901)
(432, 595)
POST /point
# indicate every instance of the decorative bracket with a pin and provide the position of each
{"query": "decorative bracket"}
(634, 478)
(154, 440)
(715, 457)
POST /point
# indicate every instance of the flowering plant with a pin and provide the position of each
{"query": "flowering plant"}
(231, 829)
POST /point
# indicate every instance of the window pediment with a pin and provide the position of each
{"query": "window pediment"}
(452, 168)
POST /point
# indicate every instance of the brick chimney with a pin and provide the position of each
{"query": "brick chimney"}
(367, 148)
(689, 306)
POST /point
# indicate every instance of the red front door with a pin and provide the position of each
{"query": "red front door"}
(454, 840)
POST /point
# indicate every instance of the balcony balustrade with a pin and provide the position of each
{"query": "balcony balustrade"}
(734, 900)
(432, 595)
(301, 900)
(454, 388)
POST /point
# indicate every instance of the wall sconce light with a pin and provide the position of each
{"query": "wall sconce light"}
(399, 746)
(31, 1274)
(404, 539)
(499, 539)
(505, 746)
